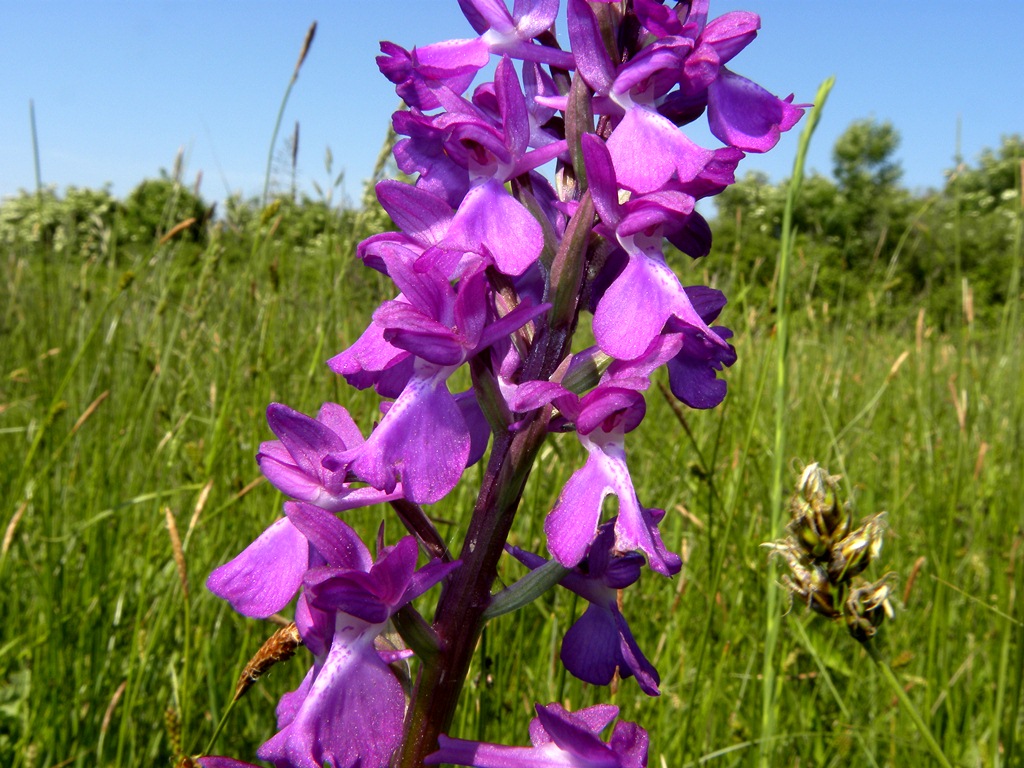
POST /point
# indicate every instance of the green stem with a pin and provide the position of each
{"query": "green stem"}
(908, 707)
(280, 112)
(768, 688)
(220, 727)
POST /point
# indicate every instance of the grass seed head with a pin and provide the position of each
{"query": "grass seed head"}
(172, 722)
(825, 558)
(280, 646)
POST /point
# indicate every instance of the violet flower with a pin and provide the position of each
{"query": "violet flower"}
(602, 419)
(646, 291)
(454, 63)
(295, 462)
(350, 708)
(600, 641)
(268, 573)
(559, 738)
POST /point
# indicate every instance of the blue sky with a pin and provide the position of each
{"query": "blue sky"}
(119, 87)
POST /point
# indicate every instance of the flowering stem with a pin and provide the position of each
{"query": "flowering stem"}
(768, 690)
(459, 617)
(908, 707)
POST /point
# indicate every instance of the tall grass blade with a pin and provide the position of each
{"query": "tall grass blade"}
(306, 43)
(772, 617)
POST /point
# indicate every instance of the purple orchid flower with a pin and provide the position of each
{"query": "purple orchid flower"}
(600, 641)
(741, 113)
(442, 327)
(492, 135)
(349, 710)
(559, 738)
(295, 462)
(268, 573)
(602, 419)
(453, 63)
(646, 290)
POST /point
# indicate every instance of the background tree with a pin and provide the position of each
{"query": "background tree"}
(871, 204)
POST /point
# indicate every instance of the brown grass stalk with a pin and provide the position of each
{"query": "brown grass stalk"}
(11, 528)
(280, 646)
(89, 411)
(179, 553)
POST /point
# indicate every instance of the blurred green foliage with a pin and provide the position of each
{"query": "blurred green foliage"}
(864, 240)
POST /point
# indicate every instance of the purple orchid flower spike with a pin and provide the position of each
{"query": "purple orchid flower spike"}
(600, 642)
(484, 241)
(559, 738)
(350, 709)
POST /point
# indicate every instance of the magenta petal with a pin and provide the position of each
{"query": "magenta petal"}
(394, 571)
(368, 355)
(340, 546)
(349, 592)
(422, 442)
(572, 524)
(648, 151)
(630, 743)
(593, 719)
(534, 17)
(635, 308)
(418, 213)
(746, 116)
(592, 59)
(352, 714)
(731, 33)
(266, 575)
(289, 704)
(580, 742)
(635, 529)
(279, 467)
(492, 222)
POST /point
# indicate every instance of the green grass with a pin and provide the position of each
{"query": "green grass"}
(118, 402)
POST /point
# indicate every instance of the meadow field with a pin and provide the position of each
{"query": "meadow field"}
(133, 385)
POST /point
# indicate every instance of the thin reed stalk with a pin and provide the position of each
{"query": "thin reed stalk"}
(306, 43)
(772, 618)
